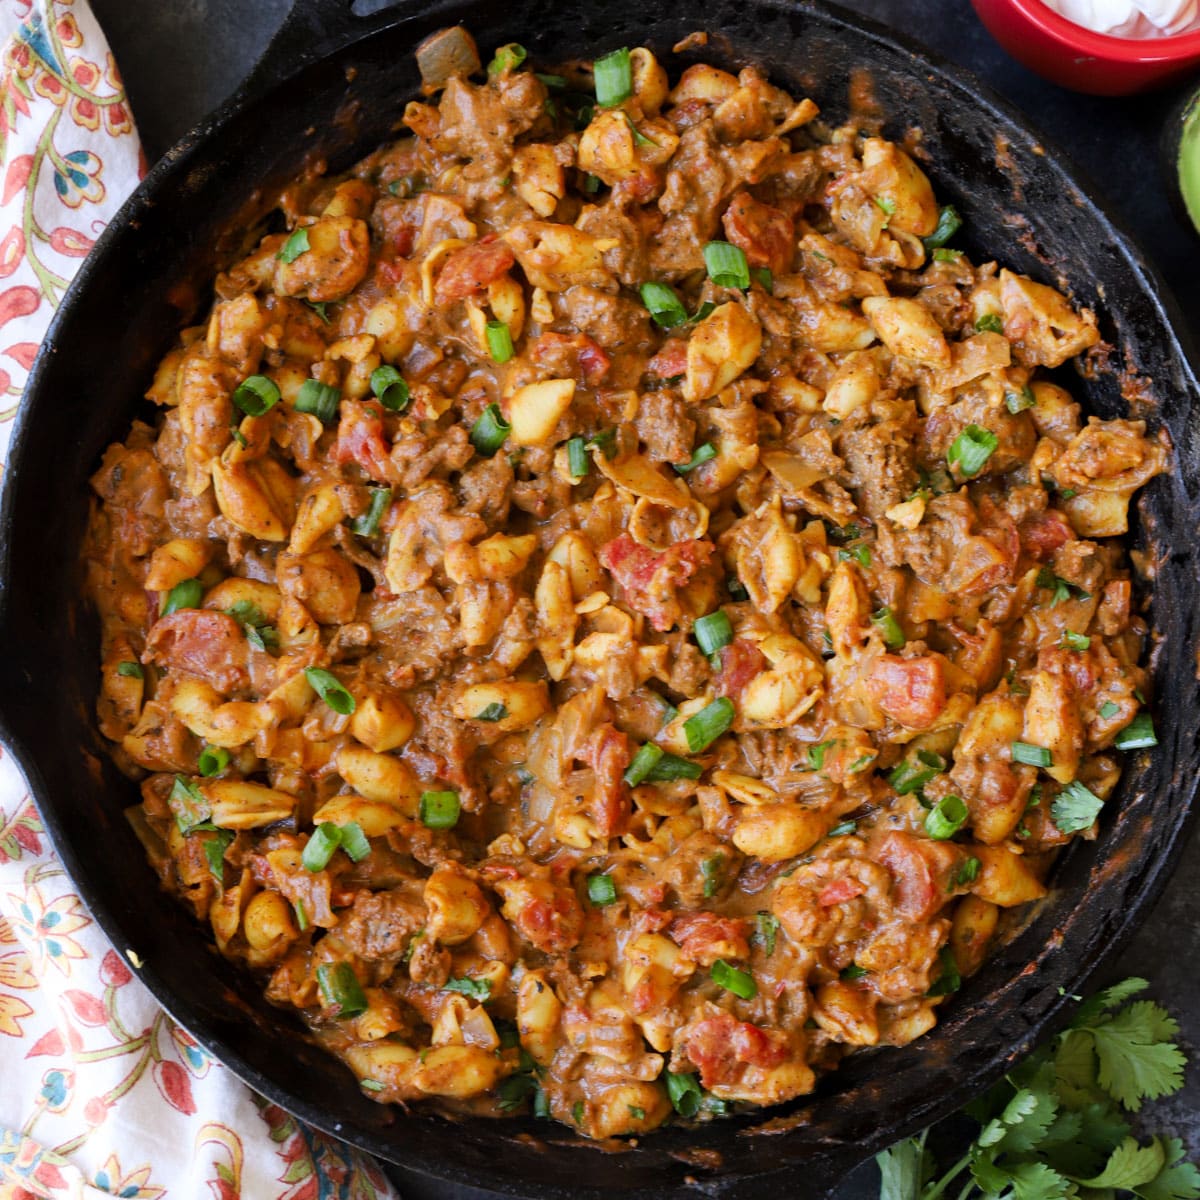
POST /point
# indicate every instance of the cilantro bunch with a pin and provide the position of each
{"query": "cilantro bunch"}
(1055, 1129)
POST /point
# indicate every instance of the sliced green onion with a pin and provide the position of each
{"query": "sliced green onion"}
(708, 724)
(614, 78)
(861, 764)
(131, 670)
(950, 980)
(318, 399)
(664, 305)
(763, 277)
(370, 1085)
(321, 308)
(477, 989)
(712, 632)
(256, 395)
(499, 340)
(577, 1112)
(727, 265)
(490, 431)
(188, 804)
(989, 323)
(1108, 710)
(860, 554)
(713, 870)
(261, 637)
(853, 972)
(671, 767)
(949, 223)
(685, 1093)
(296, 245)
(605, 441)
(238, 436)
(639, 138)
(885, 621)
(736, 589)
(910, 776)
(703, 453)
(941, 254)
(971, 449)
(591, 184)
(213, 760)
(967, 873)
(341, 990)
(1017, 402)
(321, 847)
(1075, 808)
(555, 82)
(1076, 641)
(440, 810)
(327, 685)
(1062, 589)
(740, 983)
(512, 1092)
(301, 915)
(1138, 734)
(507, 58)
(541, 1104)
(816, 755)
(638, 1114)
(214, 852)
(643, 762)
(354, 841)
(766, 930)
(493, 712)
(577, 458)
(1031, 756)
(946, 818)
(844, 829)
(367, 525)
(601, 890)
(187, 594)
(390, 389)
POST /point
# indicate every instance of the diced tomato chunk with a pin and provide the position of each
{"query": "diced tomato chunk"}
(472, 268)
(704, 937)
(200, 642)
(671, 360)
(839, 891)
(922, 871)
(609, 754)
(650, 579)
(766, 235)
(570, 354)
(1045, 533)
(741, 661)
(911, 691)
(722, 1047)
(360, 440)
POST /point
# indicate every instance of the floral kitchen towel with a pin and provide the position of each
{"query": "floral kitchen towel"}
(101, 1093)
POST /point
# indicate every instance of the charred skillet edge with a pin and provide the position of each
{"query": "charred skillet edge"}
(1016, 1031)
(314, 29)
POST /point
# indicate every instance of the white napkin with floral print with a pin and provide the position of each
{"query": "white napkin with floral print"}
(101, 1093)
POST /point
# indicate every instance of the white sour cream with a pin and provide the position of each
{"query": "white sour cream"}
(1131, 18)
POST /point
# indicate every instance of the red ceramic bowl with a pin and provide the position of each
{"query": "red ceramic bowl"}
(1076, 58)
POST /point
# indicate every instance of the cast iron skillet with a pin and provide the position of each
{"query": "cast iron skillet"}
(345, 82)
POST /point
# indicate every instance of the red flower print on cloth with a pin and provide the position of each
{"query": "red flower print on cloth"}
(104, 1095)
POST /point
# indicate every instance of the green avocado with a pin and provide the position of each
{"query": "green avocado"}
(1183, 155)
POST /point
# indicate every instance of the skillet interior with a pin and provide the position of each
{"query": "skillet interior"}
(148, 276)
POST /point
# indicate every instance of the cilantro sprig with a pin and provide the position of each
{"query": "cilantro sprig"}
(1055, 1129)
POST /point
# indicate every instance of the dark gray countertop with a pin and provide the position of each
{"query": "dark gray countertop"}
(183, 57)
